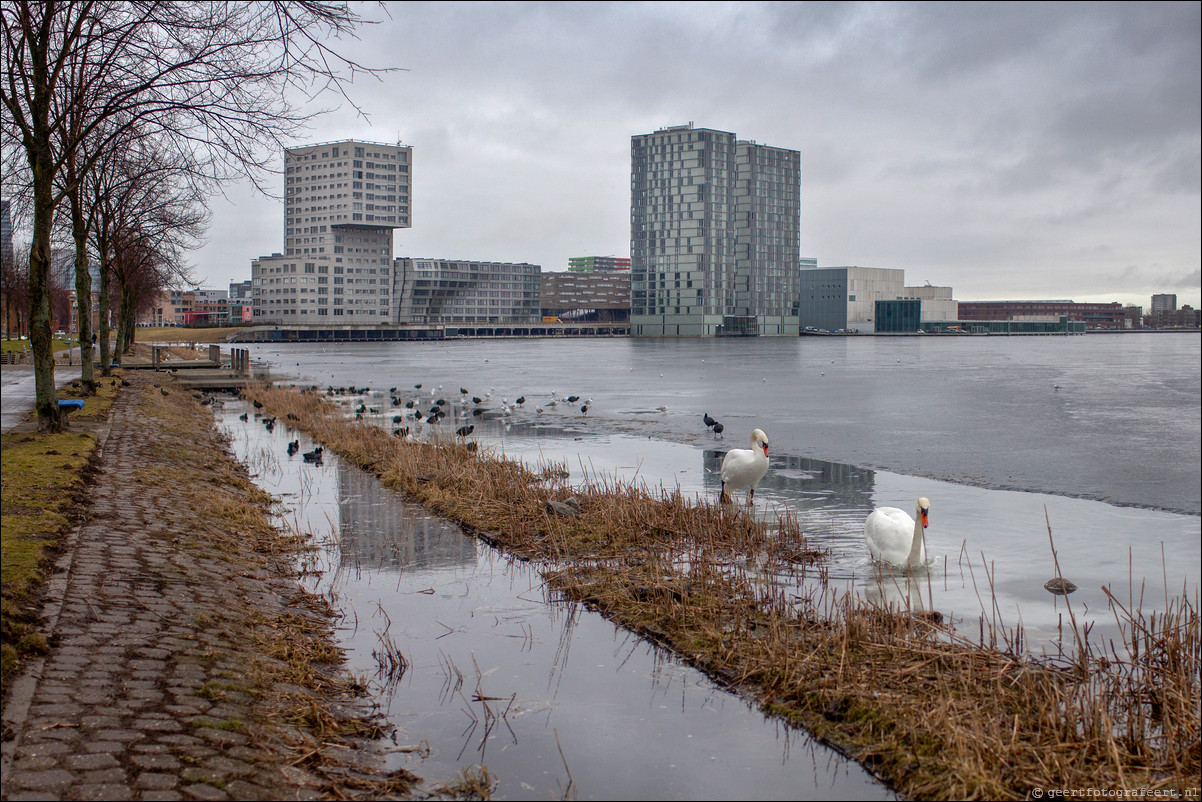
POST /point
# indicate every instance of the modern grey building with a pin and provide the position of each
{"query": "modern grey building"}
(1164, 302)
(456, 291)
(715, 228)
(835, 298)
(342, 201)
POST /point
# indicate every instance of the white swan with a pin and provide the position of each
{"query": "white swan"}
(896, 538)
(744, 468)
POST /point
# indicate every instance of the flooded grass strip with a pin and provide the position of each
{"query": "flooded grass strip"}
(932, 713)
(289, 662)
(305, 715)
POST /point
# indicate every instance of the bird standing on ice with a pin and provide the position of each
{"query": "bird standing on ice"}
(744, 468)
(896, 538)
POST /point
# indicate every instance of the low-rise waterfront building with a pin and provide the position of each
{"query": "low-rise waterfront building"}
(1093, 315)
(581, 297)
(241, 307)
(869, 299)
(459, 291)
(1184, 318)
(838, 298)
(937, 302)
(167, 308)
(209, 308)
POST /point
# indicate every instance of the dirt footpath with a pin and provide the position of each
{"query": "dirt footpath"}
(184, 661)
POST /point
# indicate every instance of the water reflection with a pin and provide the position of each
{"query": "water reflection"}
(378, 531)
(829, 499)
(900, 591)
(499, 673)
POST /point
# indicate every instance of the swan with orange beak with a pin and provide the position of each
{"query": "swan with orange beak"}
(896, 538)
(744, 468)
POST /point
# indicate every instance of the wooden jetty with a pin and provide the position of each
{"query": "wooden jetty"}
(232, 371)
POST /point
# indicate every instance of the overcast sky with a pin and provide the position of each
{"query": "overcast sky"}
(1010, 151)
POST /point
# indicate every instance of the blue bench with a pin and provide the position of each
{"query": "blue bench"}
(70, 406)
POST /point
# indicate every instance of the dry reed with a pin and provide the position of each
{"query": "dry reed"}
(931, 713)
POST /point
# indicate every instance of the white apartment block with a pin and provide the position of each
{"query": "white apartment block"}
(342, 201)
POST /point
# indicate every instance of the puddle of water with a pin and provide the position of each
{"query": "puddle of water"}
(542, 692)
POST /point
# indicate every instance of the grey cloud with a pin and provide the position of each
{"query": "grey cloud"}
(979, 143)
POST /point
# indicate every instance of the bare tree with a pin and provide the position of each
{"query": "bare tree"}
(14, 286)
(80, 94)
(151, 224)
(212, 74)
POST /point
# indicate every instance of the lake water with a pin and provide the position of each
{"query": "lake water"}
(542, 692)
(1123, 427)
(1096, 436)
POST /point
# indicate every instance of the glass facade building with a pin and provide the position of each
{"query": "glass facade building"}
(714, 235)
(902, 315)
(450, 291)
(598, 264)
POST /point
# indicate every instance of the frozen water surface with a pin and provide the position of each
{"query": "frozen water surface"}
(975, 424)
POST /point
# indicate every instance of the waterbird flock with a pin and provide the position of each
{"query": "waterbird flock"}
(429, 408)
(892, 537)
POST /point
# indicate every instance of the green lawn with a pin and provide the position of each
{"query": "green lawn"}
(21, 346)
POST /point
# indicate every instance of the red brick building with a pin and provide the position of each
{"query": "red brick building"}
(1094, 316)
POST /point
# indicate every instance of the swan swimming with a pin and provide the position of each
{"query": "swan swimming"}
(896, 538)
(744, 468)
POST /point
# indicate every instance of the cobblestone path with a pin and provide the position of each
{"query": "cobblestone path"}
(160, 621)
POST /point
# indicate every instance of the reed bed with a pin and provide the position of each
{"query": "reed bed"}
(933, 714)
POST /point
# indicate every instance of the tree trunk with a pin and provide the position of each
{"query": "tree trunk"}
(46, 396)
(83, 285)
(103, 324)
(37, 138)
(125, 321)
(131, 338)
(119, 350)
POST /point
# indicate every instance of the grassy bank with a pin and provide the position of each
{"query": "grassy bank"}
(22, 346)
(934, 715)
(178, 334)
(42, 494)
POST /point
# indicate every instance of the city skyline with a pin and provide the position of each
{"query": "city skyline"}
(1009, 151)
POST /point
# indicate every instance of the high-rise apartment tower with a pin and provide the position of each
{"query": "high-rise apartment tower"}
(342, 201)
(714, 235)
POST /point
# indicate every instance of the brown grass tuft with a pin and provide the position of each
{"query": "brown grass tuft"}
(931, 713)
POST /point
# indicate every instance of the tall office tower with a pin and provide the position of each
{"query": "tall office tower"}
(1164, 302)
(342, 201)
(714, 235)
(6, 235)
